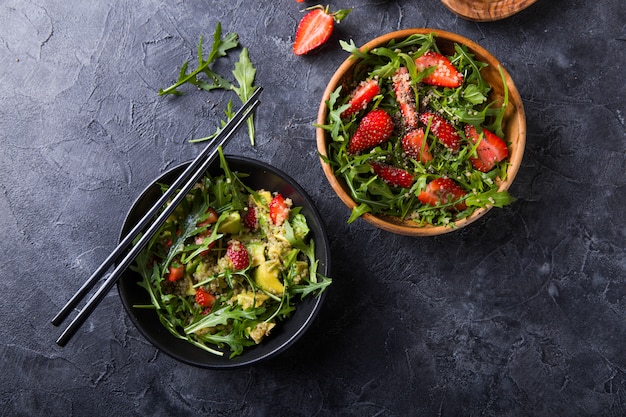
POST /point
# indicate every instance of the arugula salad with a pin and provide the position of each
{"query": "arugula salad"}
(229, 264)
(414, 135)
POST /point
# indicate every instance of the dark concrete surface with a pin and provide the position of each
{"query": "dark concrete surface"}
(521, 314)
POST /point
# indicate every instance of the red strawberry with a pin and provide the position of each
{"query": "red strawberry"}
(445, 75)
(204, 298)
(375, 128)
(250, 219)
(393, 175)
(442, 191)
(279, 210)
(361, 96)
(444, 130)
(315, 28)
(405, 97)
(238, 254)
(490, 150)
(415, 146)
(211, 217)
(175, 272)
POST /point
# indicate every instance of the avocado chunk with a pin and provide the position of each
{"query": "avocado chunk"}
(266, 277)
(231, 224)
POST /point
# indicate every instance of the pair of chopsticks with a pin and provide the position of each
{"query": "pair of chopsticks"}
(192, 174)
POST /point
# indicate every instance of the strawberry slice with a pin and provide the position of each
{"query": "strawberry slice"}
(175, 272)
(442, 191)
(250, 219)
(375, 128)
(415, 146)
(204, 298)
(405, 97)
(445, 74)
(442, 129)
(238, 254)
(395, 176)
(490, 150)
(315, 28)
(361, 96)
(279, 209)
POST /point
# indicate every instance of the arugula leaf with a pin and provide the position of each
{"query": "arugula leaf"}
(219, 49)
(203, 77)
(244, 73)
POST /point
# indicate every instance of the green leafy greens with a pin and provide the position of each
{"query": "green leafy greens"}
(245, 307)
(467, 104)
(205, 78)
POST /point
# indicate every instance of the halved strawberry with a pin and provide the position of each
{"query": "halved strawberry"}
(375, 128)
(175, 272)
(279, 209)
(415, 146)
(315, 28)
(250, 219)
(442, 129)
(204, 298)
(490, 150)
(442, 191)
(405, 97)
(361, 96)
(445, 74)
(395, 176)
(238, 254)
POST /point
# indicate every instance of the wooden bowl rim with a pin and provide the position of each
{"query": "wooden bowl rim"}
(398, 226)
(486, 10)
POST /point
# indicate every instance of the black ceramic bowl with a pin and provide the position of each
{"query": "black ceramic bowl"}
(286, 332)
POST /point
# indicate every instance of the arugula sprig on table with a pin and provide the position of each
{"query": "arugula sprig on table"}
(465, 104)
(205, 78)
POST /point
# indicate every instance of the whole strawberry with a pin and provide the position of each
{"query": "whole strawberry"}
(315, 28)
(375, 128)
(238, 254)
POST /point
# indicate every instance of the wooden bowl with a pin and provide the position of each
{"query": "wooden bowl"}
(486, 10)
(514, 127)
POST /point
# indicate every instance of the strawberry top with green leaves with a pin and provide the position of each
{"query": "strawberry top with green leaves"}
(374, 129)
(315, 28)
(406, 154)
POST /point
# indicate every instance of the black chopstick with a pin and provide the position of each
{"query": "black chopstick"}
(189, 177)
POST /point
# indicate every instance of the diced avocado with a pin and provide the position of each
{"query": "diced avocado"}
(248, 299)
(266, 277)
(189, 289)
(257, 253)
(191, 267)
(265, 195)
(231, 224)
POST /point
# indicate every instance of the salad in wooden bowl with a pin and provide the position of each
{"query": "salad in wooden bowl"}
(420, 132)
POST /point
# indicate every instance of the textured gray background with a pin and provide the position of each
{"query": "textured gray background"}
(520, 314)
